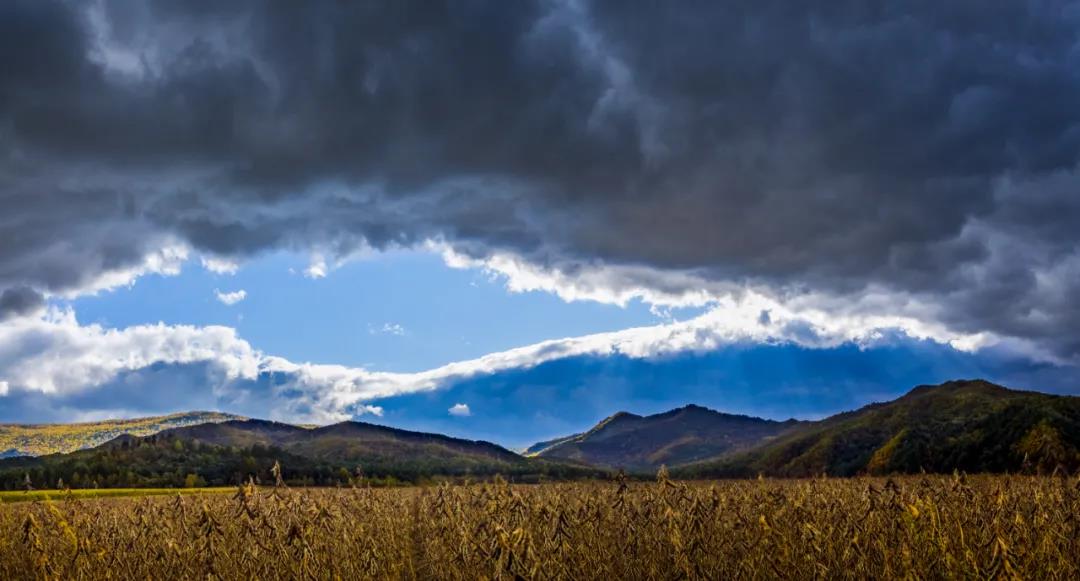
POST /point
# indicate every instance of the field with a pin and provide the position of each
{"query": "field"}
(915, 527)
(86, 493)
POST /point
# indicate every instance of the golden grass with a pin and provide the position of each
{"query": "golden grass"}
(914, 528)
(84, 493)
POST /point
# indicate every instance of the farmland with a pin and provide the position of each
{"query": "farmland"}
(915, 526)
(8, 496)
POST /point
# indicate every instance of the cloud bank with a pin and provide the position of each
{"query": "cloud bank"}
(908, 160)
(52, 364)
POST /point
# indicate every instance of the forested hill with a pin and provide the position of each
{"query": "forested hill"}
(41, 439)
(971, 426)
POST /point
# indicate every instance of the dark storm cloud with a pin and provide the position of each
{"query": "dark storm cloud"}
(925, 149)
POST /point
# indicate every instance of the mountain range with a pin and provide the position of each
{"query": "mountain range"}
(968, 425)
(228, 452)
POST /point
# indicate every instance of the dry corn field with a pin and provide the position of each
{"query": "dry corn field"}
(914, 527)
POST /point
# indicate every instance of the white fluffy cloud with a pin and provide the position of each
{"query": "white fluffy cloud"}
(460, 410)
(55, 354)
(230, 298)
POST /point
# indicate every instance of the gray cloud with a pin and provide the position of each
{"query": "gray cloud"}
(926, 150)
(19, 301)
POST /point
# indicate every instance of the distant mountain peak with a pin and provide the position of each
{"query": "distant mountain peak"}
(690, 408)
(954, 386)
(614, 419)
(683, 434)
(621, 415)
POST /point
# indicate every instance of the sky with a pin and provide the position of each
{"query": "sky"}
(507, 221)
